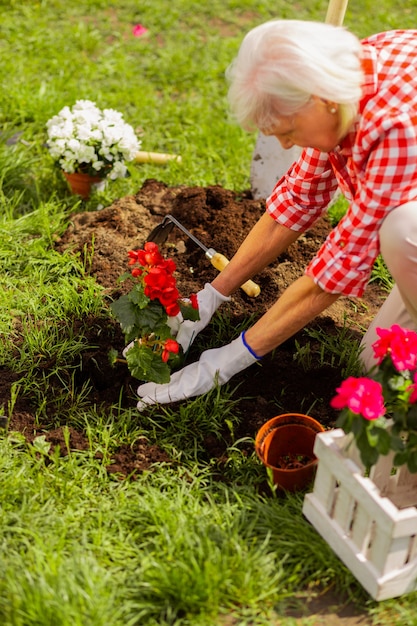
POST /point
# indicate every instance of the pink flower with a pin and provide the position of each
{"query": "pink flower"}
(400, 344)
(139, 30)
(362, 396)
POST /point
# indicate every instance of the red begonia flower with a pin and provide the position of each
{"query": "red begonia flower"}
(170, 346)
(194, 301)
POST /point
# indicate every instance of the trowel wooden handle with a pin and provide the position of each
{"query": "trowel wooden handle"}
(155, 157)
(219, 261)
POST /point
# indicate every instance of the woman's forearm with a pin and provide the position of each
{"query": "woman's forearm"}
(295, 308)
(265, 242)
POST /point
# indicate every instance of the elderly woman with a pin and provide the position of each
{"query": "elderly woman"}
(353, 106)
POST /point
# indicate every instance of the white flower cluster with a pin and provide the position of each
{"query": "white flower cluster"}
(85, 138)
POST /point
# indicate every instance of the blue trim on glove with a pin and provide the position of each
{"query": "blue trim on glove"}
(247, 346)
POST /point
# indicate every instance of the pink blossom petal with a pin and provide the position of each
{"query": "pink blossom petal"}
(139, 30)
(362, 396)
(400, 344)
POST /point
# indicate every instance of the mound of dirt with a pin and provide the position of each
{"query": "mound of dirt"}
(220, 218)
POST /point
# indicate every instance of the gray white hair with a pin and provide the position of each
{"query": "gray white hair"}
(282, 63)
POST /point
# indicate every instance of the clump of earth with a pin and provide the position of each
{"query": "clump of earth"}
(220, 219)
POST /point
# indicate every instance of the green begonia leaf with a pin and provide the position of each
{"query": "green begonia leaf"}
(147, 365)
(384, 441)
(412, 462)
(125, 312)
(188, 312)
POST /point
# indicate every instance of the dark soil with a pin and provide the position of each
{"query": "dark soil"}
(220, 219)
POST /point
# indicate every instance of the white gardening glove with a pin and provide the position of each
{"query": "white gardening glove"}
(215, 366)
(209, 300)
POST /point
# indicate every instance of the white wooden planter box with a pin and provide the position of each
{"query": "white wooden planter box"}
(369, 522)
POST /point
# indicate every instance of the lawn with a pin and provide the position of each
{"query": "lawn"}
(185, 541)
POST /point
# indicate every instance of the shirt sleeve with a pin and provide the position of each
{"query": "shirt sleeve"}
(304, 192)
(389, 178)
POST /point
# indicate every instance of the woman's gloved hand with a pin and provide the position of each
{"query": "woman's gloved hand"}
(209, 300)
(215, 366)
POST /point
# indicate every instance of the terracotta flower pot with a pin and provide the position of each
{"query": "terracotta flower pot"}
(81, 183)
(285, 445)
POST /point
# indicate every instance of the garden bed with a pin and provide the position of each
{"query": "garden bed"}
(220, 219)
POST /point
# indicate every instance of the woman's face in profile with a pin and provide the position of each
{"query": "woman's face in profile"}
(314, 126)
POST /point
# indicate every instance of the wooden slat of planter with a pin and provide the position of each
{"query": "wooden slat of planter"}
(400, 487)
(413, 548)
(396, 583)
(380, 474)
(361, 529)
(386, 553)
(325, 487)
(344, 508)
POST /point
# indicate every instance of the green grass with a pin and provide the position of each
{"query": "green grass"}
(175, 546)
(80, 549)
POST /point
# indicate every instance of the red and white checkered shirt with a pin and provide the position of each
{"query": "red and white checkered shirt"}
(375, 167)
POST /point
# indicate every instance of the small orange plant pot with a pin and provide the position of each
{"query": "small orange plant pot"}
(285, 445)
(82, 184)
